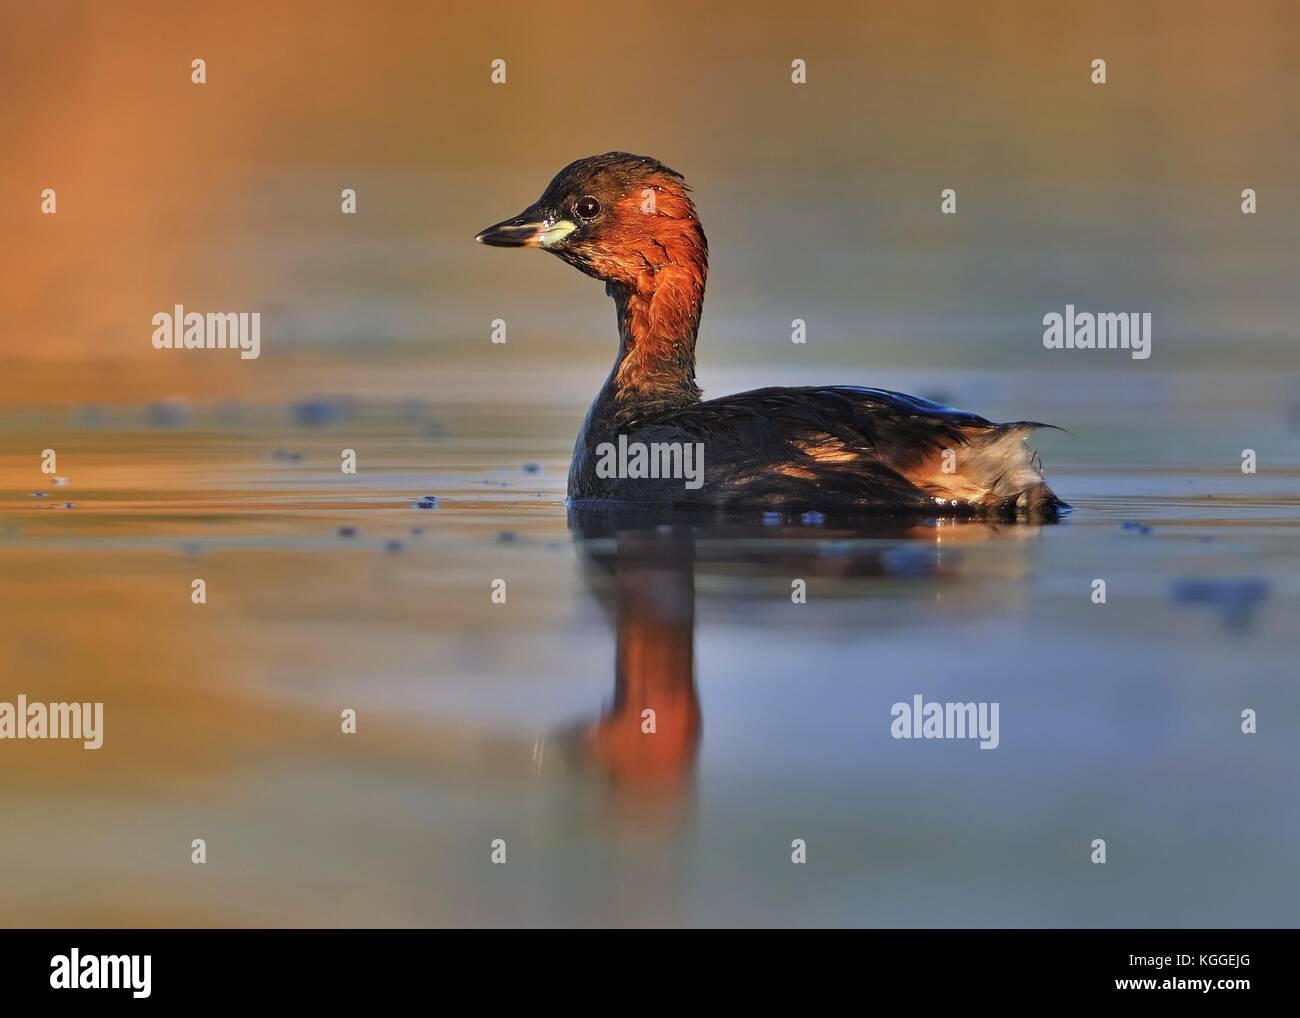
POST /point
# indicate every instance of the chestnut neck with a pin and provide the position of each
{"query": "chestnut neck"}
(658, 321)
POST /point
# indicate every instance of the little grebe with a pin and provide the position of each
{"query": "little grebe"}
(629, 221)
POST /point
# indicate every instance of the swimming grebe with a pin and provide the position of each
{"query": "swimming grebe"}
(629, 221)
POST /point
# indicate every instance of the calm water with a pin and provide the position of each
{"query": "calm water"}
(520, 721)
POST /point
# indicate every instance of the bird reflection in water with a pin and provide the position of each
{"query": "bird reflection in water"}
(642, 566)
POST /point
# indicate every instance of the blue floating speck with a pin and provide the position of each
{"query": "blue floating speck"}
(909, 561)
(169, 413)
(318, 410)
(1235, 600)
(813, 518)
(531, 468)
(772, 519)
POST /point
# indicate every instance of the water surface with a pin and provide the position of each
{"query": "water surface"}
(521, 721)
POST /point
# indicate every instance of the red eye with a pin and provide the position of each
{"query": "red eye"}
(587, 207)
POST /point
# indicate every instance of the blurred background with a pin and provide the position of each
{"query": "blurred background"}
(821, 202)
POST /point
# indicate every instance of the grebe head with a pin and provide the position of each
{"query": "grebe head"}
(618, 217)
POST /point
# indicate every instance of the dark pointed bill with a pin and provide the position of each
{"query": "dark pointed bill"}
(534, 227)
